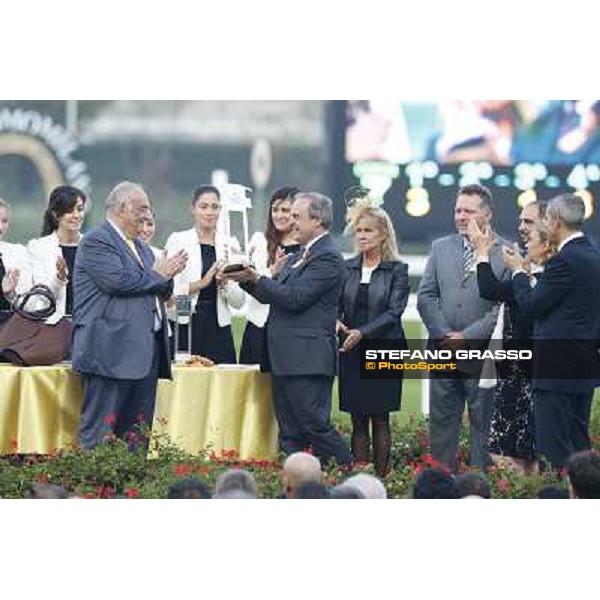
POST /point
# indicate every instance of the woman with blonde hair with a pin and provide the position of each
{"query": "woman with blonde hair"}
(372, 300)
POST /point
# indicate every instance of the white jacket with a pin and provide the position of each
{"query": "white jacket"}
(254, 311)
(15, 256)
(43, 253)
(228, 297)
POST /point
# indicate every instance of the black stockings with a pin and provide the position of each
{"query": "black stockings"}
(361, 440)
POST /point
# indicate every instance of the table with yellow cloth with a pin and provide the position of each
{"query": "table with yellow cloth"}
(214, 408)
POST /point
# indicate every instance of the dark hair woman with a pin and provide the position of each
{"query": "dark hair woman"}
(52, 256)
(268, 253)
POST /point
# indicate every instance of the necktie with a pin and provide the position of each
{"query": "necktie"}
(158, 308)
(301, 259)
(468, 258)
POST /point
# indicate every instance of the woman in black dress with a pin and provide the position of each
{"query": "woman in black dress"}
(52, 256)
(212, 297)
(512, 429)
(268, 258)
(373, 298)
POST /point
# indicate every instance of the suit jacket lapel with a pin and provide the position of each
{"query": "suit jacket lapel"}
(287, 267)
(121, 245)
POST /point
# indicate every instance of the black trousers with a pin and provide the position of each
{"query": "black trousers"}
(562, 424)
(303, 411)
(118, 405)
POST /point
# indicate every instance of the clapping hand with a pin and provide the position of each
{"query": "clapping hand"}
(62, 270)
(513, 260)
(168, 267)
(9, 282)
(482, 239)
(280, 258)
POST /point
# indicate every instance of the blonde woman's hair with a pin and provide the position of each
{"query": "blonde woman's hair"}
(382, 222)
(542, 229)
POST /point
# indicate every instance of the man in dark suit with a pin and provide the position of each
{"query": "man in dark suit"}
(301, 338)
(564, 306)
(119, 325)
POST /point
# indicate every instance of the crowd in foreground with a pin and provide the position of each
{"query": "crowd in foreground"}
(302, 478)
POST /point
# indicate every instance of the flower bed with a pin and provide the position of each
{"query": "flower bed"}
(113, 469)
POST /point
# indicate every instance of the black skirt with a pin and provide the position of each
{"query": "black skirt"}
(365, 396)
(208, 338)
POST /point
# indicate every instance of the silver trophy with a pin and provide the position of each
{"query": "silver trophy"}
(183, 314)
(234, 223)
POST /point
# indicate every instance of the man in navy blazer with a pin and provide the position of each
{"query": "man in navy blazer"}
(566, 312)
(119, 324)
(301, 338)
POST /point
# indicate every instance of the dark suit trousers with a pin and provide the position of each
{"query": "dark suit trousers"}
(561, 422)
(118, 405)
(303, 410)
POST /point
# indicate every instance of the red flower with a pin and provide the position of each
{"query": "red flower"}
(503, 485)
(182, 470)
(132, 493)
(110, 419)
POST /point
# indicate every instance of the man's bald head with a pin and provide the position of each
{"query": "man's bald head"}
(300, 468)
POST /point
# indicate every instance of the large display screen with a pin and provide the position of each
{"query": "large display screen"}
(413, 157)
(502, 132)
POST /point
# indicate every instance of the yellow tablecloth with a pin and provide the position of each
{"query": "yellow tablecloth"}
(217, 408)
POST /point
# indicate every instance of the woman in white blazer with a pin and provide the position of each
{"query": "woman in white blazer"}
(212, 297)
(268, 253)
(52, 256)
(15, 271)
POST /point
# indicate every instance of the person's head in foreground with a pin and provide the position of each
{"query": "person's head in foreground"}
(583, 469)
(346, 492)
(368, 485)
(552, 492)
(312, 491)
(300, 468)
(235, 480)
(189, 489)
(473, 485)
(435, 484)
(47, 491)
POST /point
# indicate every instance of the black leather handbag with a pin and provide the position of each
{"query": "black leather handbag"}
(27, 340)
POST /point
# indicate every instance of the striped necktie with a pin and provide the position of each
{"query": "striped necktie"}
(468, 257)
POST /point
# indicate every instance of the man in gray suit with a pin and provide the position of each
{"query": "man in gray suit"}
(457, 318)
(119, 323)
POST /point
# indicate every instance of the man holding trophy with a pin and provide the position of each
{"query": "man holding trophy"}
(302, 344)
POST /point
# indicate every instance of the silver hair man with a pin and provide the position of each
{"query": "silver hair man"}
(319, 208)
(236, 479)
(568, 208)
(122, 195)
(371, 487)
